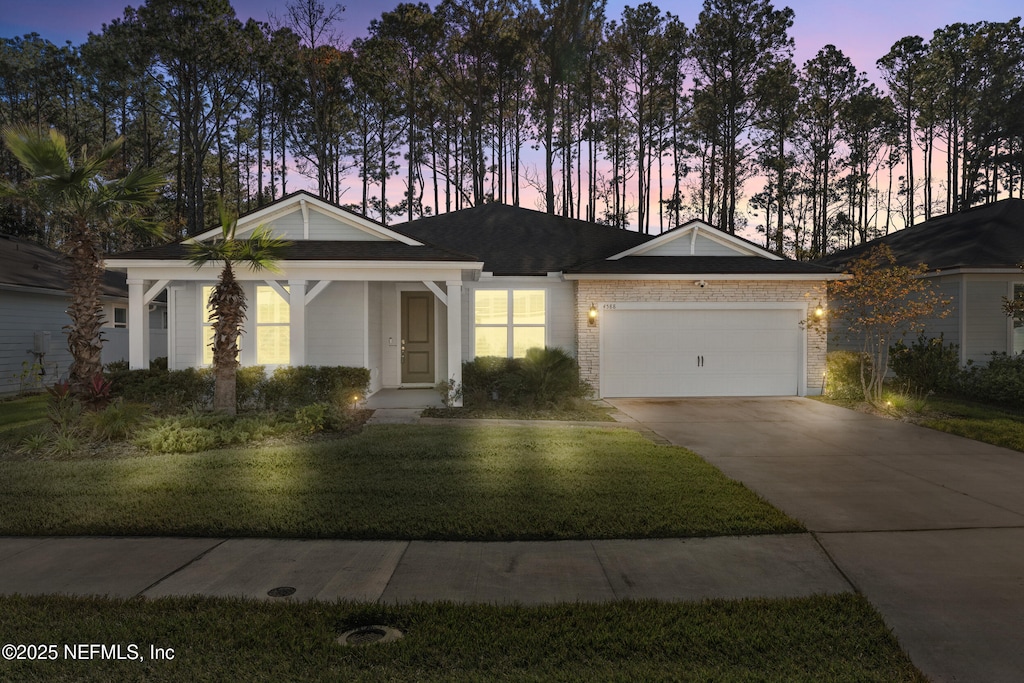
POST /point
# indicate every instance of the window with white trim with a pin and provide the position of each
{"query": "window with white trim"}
(207, 331)
(120, 317)
(507, 322)
(273, 327)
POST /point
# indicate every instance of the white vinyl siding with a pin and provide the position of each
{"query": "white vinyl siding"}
(335, 322)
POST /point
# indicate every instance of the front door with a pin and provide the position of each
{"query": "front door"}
(417, 337)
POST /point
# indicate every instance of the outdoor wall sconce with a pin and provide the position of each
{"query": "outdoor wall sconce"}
(819, 311)
(592, 316)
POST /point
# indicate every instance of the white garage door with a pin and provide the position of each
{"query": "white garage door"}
(672, 352)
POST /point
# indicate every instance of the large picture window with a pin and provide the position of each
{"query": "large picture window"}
(507, 322)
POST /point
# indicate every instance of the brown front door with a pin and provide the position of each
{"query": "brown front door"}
(417, 337)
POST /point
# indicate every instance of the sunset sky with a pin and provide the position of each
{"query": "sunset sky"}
(863, 29)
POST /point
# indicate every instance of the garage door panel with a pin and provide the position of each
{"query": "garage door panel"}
(686, 352)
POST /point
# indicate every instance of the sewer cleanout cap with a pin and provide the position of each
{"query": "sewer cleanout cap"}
(369, 635)
(281, 592)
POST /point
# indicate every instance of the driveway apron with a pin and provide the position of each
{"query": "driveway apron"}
(928, 526)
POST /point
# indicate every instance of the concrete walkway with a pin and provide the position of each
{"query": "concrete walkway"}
(403, 571)
(928, 526)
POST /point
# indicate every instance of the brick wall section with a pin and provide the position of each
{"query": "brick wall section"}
(597, 291)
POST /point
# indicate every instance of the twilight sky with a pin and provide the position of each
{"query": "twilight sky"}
(863, 29)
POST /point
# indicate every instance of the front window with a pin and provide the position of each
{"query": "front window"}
(207, 326)
(509, 321)
(273, 317)
(120, 317)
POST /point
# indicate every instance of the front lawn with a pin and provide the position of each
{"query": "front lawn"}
(395, 482)
(978, 421)
(975, 421)
(825, 638)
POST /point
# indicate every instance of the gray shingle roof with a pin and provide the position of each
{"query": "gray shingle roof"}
(989, 236)
(27, 264)
(512, 240)
(326, 250)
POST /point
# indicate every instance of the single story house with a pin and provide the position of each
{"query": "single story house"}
(691, 312)
(974, 260)
(33, 303)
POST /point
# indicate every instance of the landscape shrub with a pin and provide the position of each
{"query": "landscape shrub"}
(1001, 380)
(170, 390)
(292, 387)
(843, 375)
(286, 388)
(550, 377)
(545, 377)
(116, 421)
(250, 385)
(196, 431)
(927, 365)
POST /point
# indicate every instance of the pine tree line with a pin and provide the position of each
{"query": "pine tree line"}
(637, 121)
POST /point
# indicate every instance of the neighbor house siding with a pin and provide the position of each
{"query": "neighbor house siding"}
(987, 325)
(596, 292)
(22, 314)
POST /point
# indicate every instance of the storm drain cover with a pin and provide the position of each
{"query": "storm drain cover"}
(280, 592)
(369, 635)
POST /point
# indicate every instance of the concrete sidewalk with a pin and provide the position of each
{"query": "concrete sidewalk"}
(404, 571)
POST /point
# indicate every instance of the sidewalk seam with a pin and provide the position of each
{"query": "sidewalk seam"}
(393, 572)
(182, 567)
(846, 577)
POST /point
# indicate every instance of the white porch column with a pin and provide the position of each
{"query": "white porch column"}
(455, 333)
(138, 326)
(297, 309)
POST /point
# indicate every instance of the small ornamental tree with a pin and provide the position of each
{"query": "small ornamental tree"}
(880, 303)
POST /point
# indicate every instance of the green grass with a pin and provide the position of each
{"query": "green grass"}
(976, 421)
(583, 412)
(21, 411)
(395, 482)
(835, 638)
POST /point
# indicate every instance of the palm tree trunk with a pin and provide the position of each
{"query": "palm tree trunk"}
(86, 312)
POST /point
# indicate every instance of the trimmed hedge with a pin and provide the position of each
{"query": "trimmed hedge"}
(543, 378)
(927, 365)
(286, 388)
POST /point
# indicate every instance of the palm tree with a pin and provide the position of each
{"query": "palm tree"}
(227, 300)
(74, 196)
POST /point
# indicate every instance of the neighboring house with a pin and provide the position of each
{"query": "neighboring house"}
(973, 260)
(33, 302)
(692, 312)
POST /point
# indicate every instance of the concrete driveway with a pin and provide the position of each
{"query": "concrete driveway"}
(929, 526)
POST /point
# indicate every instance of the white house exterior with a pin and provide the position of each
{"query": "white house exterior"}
(412, 302)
